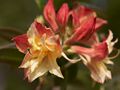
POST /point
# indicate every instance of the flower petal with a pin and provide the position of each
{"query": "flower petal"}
(109, 41)
(21, 42)
(62, 15)
(91, 41)
(98, 52)
(99, 71)
(37, 34)
(26, 60)
(100, 22)
(39, 70)
(50, 15)
(84, 32)
(42, 29)
(54, 68)
(79, 14)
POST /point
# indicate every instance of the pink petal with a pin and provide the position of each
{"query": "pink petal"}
(99, 23)
(50, 15)
(42, 29)
(79, 13)
(62, 15)
(21, 42)
(98, 52)
(84, 31)
(91, 41)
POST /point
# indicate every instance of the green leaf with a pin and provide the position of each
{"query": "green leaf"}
(41, 4)
(8, 33)
(10, 56)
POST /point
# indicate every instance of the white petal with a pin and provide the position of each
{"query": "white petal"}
(40, 70)
(54, 68)
(33, 65)
(109, 41)
(99, 72)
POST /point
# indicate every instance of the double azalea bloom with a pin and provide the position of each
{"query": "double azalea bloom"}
(42, 48)
(43, 45)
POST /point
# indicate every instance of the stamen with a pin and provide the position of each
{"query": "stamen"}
(70, 60)
(116, 55)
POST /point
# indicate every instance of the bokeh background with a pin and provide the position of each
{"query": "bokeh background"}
(17, 15)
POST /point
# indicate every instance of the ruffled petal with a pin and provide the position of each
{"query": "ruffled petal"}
(109, 41)
(79, 14)
(99, 71)
(21, 42)
(84, 32)
(42, 29)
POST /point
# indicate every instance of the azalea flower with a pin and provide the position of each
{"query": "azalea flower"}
(42, 48)
(96, 57)
(85, 25)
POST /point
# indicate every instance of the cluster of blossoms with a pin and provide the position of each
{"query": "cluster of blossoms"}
(43, 45)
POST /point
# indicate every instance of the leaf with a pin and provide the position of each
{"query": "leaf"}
(8, 33)
(10, 56)
(41, 4)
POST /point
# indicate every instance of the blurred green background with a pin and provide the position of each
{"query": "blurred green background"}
(18, 15)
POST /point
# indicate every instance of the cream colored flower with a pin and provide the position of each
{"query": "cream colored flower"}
(43, 50)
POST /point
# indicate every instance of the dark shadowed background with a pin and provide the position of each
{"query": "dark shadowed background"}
(19, 14)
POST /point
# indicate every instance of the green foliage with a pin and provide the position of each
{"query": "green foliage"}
(11, 56)
(8, 33)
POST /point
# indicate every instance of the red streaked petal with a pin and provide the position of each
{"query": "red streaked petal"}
(99, 23)
(84, 31)
(42, 29)
(62, 15)
(98, 52)
(21, 42)
(82, 50)
(92, 40)
(50, 15)
(101, 50)
(79, 14)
